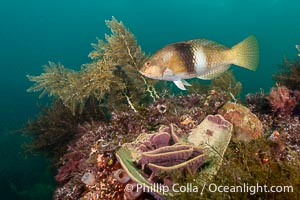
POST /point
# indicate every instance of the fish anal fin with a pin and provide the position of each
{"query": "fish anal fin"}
(185, 83)
(179, 84)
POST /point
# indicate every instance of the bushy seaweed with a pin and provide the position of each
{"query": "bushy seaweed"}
(58, 81)
(226, 82)
(111, 77)
(247, 166)
(56, 126)
(110, 82)
(254, 164)
(289, 74)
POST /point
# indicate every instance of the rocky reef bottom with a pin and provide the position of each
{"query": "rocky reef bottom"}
(200, 140)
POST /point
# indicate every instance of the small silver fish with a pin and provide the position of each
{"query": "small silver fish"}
(298, 48)
(199, 58)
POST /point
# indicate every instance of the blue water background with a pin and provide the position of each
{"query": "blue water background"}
(33, 32)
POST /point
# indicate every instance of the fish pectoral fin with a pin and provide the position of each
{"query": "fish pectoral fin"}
(185, 83)
(179, 84)
(168, 72)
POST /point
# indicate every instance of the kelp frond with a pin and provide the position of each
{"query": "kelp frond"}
(112, 76)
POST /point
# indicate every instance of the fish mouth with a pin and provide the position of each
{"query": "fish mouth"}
(148, 75)
(141, 72)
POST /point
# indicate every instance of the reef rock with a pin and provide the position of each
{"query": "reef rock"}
(246, 125)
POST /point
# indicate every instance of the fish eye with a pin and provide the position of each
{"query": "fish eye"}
(147, 64)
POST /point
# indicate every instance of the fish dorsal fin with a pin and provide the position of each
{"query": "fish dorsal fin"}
(179, 84)
(210, 44)
(211, 74)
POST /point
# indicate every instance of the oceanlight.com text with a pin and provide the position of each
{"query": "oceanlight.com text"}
(251, 189)
(212, 187)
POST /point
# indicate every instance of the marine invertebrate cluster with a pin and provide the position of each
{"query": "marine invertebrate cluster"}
(105, 185)
(104, 138)
(282, 129)
(170, 150)
(84, 166)
(96, 143)
(289, 130)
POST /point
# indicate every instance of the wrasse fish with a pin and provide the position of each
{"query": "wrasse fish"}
(199, 58)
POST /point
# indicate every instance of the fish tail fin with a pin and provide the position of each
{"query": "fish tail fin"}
(246, 53)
